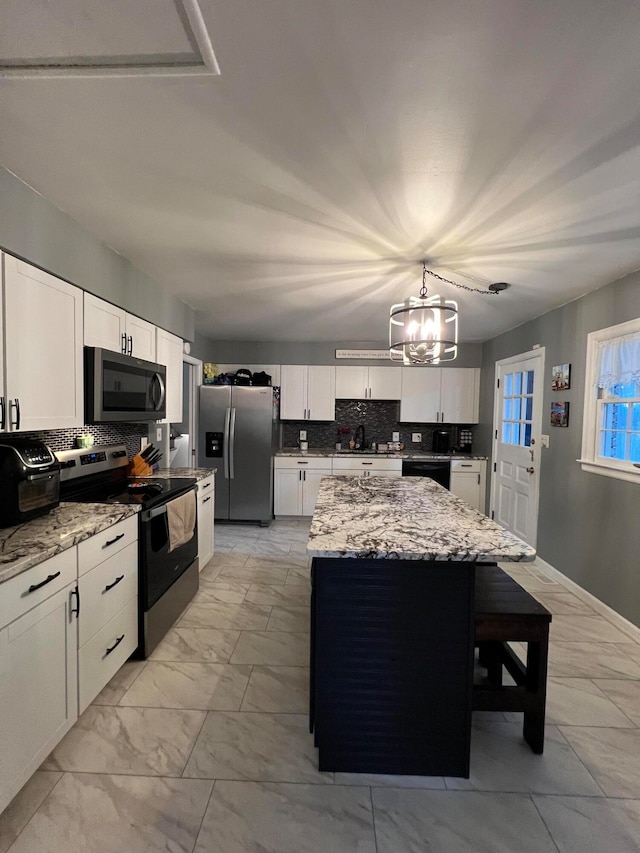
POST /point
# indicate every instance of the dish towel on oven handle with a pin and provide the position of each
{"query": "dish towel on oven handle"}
(181, 517)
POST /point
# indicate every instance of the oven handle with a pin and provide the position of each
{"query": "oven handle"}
(232, 442)
(148, 514)
(41, 476)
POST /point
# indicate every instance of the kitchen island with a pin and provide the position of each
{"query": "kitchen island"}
(392, 623)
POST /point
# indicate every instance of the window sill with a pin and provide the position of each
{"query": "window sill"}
(630, 475)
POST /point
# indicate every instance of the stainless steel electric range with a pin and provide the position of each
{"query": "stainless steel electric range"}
(168, 579)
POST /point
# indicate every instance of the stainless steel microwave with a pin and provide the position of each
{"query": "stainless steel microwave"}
(122, 388)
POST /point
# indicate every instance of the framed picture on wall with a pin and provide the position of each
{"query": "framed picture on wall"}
(561, 377)
(559, 414)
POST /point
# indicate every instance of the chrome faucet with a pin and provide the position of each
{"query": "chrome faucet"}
(359, 438)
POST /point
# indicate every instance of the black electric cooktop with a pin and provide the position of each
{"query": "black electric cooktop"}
(133, 491)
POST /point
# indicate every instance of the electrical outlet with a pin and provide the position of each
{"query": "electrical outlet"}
(395, 436)
(303, 435)
(544, 440)
(159, 434)
(416, 436)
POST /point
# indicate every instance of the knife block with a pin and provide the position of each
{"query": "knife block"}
(139, 468)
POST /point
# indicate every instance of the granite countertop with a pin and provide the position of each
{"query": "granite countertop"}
(33, 542)
(197, 473)
(385, 454)
(405, 518)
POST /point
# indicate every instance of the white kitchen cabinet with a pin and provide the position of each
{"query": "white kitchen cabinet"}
(206, 514)
(440, 395)
(468, 481)
(108, 622)
(367, 466)
(169, 352)
(112, 328)
(368, 383)
(42, 350)
(296, 483)
(307, 392)
(38, 686)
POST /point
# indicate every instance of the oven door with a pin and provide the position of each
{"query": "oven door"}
(122, 388)
(159, 567)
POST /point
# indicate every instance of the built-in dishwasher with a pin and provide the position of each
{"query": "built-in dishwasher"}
(438, 469)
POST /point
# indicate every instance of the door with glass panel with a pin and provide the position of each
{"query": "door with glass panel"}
(516, 445)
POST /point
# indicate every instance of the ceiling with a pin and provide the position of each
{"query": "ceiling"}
(294, 196)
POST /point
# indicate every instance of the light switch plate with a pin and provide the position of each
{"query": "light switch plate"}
(544, 440)
(159, 434)
(303, 435)
(395, 436)
(416, 436)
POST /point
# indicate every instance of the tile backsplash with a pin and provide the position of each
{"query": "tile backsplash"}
(117, 433)
(380, 419)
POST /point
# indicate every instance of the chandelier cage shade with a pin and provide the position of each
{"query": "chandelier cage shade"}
(423, 330)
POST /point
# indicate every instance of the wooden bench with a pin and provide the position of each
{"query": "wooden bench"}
(505, 612)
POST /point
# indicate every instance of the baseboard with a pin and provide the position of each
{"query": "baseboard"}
(611, 615)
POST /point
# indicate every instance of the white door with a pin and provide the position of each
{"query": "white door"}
(310, 488)
(169, 353)
(38, 688)
(141, 338)
(351, 383)
(287, 492)
(516, 447)
(460, 395)
(321, 394)
(385, 383)
(43, 349)
(104, 324)
(293, 392)
(420, 400)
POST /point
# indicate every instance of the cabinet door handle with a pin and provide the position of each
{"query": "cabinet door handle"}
(111, 585)
(304, 476)
(75, 591)
(48, 579)
(123, 344)
(130, 345)
(15, 405)
(114, 540)
(2, 413)
(478, 479)
(206, 500)
(115, 645)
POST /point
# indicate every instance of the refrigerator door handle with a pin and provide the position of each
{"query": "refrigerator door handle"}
(225, 453)
(232, 442)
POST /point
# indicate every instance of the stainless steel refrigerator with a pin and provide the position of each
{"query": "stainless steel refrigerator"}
(237, 436)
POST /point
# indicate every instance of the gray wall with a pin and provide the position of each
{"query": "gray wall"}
(266, 352)
(36, 231)
(589, 525)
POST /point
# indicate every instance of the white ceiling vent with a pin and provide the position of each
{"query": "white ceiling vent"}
(91, 38)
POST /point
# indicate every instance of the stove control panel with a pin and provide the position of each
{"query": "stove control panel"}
(82, 463)
(92, 458)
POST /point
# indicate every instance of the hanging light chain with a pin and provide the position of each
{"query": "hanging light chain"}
(423, 289)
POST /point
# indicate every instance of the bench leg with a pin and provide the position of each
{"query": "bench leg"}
(536, 680)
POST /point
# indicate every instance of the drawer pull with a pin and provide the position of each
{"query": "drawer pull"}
(113, 541)
(367, 463)
(206, 485)
(48, 579)
(466, 465)
(206, 499)
(303, 463)
(111, 585)
(114, 646)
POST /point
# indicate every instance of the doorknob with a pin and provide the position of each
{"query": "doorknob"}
(531, 470)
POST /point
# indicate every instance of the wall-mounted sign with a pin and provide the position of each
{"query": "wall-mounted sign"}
(380, 354)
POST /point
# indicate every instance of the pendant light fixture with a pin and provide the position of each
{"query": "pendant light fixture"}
(424, 329)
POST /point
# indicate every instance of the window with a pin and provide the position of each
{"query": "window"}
(611, 430)
(517, 412)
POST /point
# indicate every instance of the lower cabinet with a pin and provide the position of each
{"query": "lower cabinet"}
(468, 480)
(206, 513)
(38, 686)
(296, 483)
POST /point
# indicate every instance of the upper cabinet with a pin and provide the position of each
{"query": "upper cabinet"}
(111, 328)
(368, 383)
(440, 395)
(169, 353)
(307, 393)
(42, 350)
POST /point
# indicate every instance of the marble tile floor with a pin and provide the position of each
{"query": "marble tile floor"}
(205, 746)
